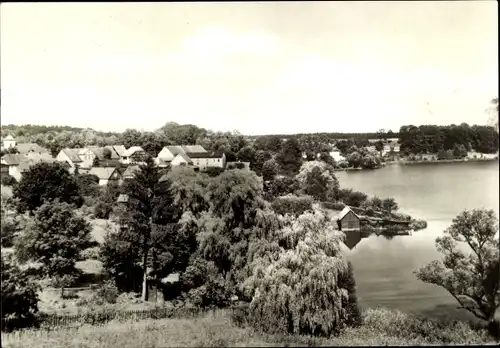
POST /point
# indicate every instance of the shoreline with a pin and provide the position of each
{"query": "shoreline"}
(407, 162)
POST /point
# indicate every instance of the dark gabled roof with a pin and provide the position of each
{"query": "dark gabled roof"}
(103, 173)
(215, 154)
(99, 152)
(11, 159)
(131, 170)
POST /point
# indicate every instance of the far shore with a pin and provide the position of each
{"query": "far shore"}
(406, 162)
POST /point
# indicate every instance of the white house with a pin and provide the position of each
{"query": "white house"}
(204, 160)
(181, 159)
(17, 164)
(134, 154)
(337, 156)
(9, 142)
(72, 157)
(168, 153)
(106, 174)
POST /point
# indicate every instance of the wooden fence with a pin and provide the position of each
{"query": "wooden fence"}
(98, 317)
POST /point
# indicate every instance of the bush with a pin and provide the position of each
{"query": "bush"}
(8, 180)
(407, 326)
(108, 292)
(239, 316)
(333, 205)
(213, 171)
(293, 205)
(19, 293)
(102, 210)
(91, 253)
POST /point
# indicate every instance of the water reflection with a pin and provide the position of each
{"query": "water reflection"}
(352, 238)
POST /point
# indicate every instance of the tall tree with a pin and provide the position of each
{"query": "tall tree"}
(318, 180)
(138, 214)
(46, 182)
(54, 238)
(290, 157)
(473, 278)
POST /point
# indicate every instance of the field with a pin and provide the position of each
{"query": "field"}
(382, 327)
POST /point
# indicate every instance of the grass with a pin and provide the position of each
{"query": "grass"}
(382, 327)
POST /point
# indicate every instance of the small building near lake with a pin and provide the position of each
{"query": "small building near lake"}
(348, 220)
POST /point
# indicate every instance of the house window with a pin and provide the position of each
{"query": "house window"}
(218, 159)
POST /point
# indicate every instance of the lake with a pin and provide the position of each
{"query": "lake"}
(433, 192)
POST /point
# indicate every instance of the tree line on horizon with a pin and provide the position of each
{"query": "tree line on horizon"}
(413, 139)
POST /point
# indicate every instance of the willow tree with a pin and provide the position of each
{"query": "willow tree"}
(318, 180)
(299, 281)
(225, 230)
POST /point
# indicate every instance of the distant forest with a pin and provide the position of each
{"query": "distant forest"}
(413, 139)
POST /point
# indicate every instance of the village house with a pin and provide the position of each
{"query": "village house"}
(9, 142)
(473, 155)
(337, 156)
(202, 160)
(134, 154)
(168, 153)
(16, 164)
(72, 157)
(106, 174)
(130, 171)
(181, 160)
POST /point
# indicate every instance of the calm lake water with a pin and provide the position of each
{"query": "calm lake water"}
(432, 192)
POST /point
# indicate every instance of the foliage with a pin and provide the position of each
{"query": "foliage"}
(301, 288)
(8, 180)
(430, 139)
(8, 226)
(354, 159)
(106, 153)
(88, 184)
(270, 169)
(261, 156)
(293, 205)
(46, 182)
(352, 198)
(280, 186)
(318, 180)
(19, 294)
(473, 280)
(389, 204)
(246, 154)
(54, 238)
(290, 157)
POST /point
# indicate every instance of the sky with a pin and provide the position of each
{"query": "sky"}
(259, 68)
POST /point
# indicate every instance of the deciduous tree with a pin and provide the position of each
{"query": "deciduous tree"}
(469, 269)
(46, 182)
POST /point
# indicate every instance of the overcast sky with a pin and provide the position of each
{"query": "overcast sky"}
(259, 68)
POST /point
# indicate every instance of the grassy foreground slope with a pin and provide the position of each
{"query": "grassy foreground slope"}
(381, 327)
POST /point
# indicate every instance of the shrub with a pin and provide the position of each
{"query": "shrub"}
(239, 316)
(333, 205)
(92, 253)
(213, 171)
(102, 210)
(293, 205)
(19, 293)
(8, 180)
(108, 292)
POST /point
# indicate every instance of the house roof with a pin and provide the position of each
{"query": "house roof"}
(103, 173)
(120, 150)
(11, 159)
(133, 150)
(122, 198)
(193, 149)
(30, 147)
(185, 157)
(163, 178)
(9, 137)
(344, 212)
(171, 278)
(99, 152)
(175, 149)
(215, 154)
(130, 170)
